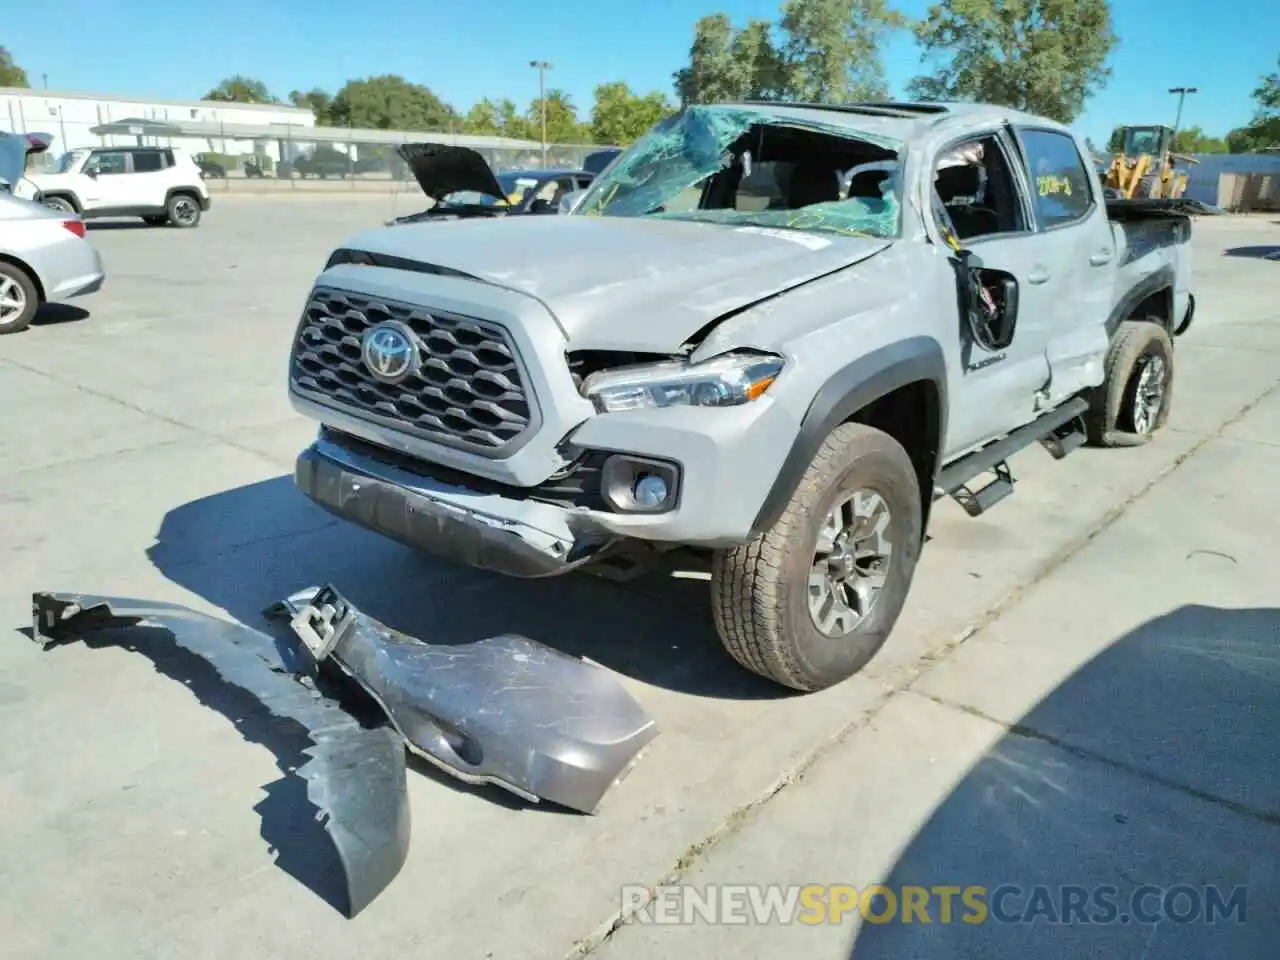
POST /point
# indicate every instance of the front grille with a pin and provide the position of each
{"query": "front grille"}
(468, 390)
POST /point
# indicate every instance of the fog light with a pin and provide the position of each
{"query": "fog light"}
(650, 491)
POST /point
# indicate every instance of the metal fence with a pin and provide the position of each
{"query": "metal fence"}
(306, 158)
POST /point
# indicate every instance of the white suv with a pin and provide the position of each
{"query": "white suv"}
(159, 184)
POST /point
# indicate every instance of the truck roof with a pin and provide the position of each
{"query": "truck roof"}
(903, 119)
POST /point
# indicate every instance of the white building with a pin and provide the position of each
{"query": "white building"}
(72, 117)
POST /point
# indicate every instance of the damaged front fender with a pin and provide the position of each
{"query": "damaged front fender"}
(355, 776)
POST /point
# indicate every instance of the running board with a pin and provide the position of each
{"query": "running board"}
(1060, 432)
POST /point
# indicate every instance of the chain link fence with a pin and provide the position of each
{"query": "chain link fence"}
(323, 160)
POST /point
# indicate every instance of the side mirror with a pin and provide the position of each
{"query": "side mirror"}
(92, 174)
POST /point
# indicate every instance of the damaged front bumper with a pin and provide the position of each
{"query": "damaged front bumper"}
(519, 539)
(505, 710)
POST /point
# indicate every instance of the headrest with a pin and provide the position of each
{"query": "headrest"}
(812, 184)
(962, 181)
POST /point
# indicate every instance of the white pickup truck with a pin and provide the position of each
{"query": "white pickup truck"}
(770, 334)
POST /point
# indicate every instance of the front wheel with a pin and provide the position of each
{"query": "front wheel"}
(60, 204)
(810, 601)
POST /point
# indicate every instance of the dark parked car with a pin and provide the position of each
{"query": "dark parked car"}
(209, 169)
(461, 184)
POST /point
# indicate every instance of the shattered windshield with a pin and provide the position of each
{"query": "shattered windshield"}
(749, 166)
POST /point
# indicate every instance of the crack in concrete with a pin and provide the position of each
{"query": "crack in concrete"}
(741, 816)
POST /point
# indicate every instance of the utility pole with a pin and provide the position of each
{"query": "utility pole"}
(1177, 120)
(542, 66)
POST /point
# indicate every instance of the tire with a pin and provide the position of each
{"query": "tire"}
(61, 204)
(155, 221)
(1115, 417)
(760, 590)
(19, 298)
(183, 210)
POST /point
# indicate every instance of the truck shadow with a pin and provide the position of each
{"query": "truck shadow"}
(1153, 764)
(1263, 252)
(248, 547)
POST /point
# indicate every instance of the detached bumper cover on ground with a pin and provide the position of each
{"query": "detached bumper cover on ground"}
(505, 710)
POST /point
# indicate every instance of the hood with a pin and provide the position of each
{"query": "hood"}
(626, 283)
(441, 170)
(14, 150)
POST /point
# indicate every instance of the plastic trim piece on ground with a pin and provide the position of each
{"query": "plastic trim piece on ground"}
(504, 710)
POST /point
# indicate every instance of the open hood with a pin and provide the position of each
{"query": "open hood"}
(14, 150)
(596, 163)
(441, 170)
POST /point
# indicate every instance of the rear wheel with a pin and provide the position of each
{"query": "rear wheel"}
(19, 298)
(183, 210)
(810, 601)
(1134, 400)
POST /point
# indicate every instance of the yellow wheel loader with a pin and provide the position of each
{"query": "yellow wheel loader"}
(1145, 165)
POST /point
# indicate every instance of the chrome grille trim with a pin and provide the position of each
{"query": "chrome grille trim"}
(470, 390)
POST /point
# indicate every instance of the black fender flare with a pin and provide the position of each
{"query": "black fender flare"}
(850, 389)
(1160, 281)
(191, 192)
(61, 194)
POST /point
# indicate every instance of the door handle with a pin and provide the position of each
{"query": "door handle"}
(1038, 275)
(1100, 258)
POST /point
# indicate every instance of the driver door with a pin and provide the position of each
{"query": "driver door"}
(988, 203)
(105, 179)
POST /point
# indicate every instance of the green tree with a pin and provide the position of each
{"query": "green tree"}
(11, 75)
(390, 102)
(1193, 140)
(241, 89)
(563, 125)
(1043, 56)
(831, 53)
(482, 120)
(1264, 130)
(730, 64)
(619, 117)
(319, 102)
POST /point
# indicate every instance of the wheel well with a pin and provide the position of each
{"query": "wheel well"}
(182, 192)
(1159, 305)
(911, 415)
(15, 262)
(62, 195)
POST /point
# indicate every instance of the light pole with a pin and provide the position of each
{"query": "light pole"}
(1177, 120)
(542, 66)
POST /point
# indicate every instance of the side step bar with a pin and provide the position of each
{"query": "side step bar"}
(1060, 432)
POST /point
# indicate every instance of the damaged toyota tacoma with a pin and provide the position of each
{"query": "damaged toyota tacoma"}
(769, 334)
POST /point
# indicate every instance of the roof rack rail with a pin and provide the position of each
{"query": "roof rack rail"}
(906, 111)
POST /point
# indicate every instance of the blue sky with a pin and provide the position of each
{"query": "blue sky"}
(481, 48)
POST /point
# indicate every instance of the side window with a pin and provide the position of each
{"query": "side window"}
(148, 161)
(1059, 179)
(106, 161)
(975, 190)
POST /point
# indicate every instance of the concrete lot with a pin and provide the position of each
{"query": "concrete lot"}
(1083, 689)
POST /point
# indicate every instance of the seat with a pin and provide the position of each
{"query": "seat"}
(959, 188)
(811, 183)
(868, 185)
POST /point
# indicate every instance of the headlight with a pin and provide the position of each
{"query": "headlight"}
(725, 381)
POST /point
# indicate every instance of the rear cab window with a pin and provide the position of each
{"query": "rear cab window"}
(1060, 184)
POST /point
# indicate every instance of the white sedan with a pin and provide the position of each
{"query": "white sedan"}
(44, 256)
